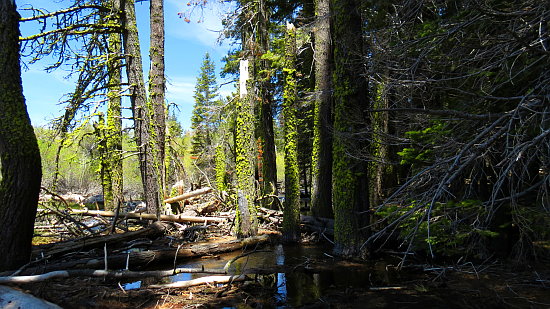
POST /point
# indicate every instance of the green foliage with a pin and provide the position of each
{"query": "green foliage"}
(448, 231)
(423, 142)
(78, 165)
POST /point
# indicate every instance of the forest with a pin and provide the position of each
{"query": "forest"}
(409, 134)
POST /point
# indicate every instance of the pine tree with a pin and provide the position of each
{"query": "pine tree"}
(206, 93)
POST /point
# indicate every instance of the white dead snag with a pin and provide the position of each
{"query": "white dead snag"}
(187, 195)
(199, 281)
(243, 77)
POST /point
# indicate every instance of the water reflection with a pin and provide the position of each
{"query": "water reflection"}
(302, 273)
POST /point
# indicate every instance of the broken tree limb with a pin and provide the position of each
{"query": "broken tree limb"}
(144, 258)
(187, 195)
(199, 281)
(125, 274)
(129, 215)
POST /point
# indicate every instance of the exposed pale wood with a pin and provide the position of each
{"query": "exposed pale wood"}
(187, 195)
(199, 281)
(129, 215)
(125, 274)
(12, 298)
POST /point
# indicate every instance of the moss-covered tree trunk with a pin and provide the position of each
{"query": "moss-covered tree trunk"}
(291, 212)
(383, 176)
(141, 111)
(113, 186)
(246, 222)
(350, 176)
(221, 168)
(19, 154)
(321, 195)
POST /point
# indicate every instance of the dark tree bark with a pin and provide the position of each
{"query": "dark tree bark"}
(157, 90)
(140, 110)
(266, 136)
(19, 154)
(321, 204)
(350, 175)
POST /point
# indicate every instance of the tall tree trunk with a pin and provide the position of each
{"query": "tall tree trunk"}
(246, 222)
(157, 125)
(291, 213)
(19, 154)
(114, 115)
(266, 136)
(381, 169)
(350, 176)
(322, 136)
(140, 109)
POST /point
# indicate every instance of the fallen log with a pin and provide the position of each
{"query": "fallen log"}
(12, 298)
(199, 281)
(318, 224)
(129, 215)
(134, 260)
(124, 274)
(187, 195)
(153, 230)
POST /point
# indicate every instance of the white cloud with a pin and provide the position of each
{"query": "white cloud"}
(180, 89)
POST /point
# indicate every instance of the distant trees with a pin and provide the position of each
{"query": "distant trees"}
(98, 39)
(19, 154)
(205, 117)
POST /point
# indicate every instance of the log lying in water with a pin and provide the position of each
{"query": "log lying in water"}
(171, 218)
(135, 260)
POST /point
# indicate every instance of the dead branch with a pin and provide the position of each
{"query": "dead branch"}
(124, 274)
(187, 195)
(171, 218)
(199, 281)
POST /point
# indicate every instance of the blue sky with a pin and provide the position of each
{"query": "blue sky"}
(186, 45)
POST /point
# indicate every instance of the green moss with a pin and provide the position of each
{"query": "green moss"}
(291, 213)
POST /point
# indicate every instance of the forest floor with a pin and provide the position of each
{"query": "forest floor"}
(281, 276)
(308, 277)
(494, 287)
